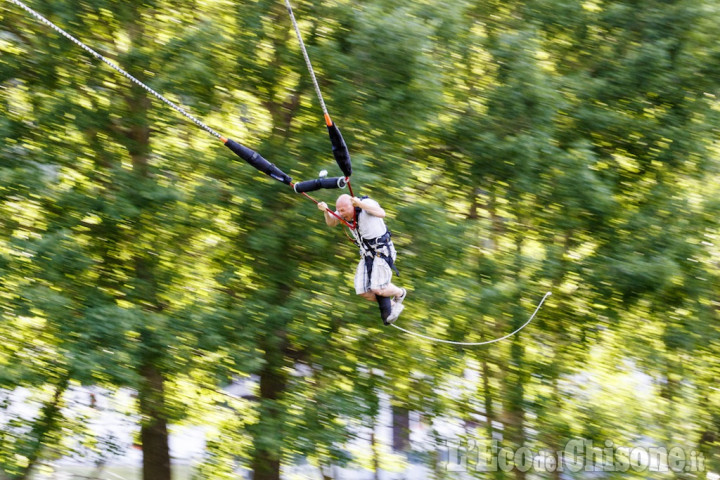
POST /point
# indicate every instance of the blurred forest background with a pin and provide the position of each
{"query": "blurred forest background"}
(518, 147)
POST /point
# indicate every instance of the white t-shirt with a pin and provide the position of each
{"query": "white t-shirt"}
(370, 226)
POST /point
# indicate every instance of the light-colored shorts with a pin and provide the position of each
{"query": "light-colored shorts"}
(381, 273)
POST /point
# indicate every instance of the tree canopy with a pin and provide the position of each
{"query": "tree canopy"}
(517, 147)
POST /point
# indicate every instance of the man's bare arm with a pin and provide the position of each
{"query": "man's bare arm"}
(330, 219)
(371, 208)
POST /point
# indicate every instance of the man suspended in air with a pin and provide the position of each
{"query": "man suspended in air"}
(374, 271)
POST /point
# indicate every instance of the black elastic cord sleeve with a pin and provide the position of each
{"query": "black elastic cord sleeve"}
(340, 150)
(318, 183)
(257, 161)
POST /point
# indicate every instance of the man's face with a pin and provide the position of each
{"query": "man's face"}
(345, 208)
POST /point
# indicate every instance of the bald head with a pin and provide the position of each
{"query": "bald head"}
(344, 207)
(343, 199)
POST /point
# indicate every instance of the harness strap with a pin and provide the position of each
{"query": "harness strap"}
(375, 253)
(379, 242)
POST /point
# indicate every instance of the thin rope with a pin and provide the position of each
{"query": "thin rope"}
(115, 67)
(307, 59)
(439, 340)
(330, 211)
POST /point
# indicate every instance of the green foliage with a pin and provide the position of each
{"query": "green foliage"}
(518, 147)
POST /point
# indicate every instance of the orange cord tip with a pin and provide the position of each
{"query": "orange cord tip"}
(328, 122)
(223, 139)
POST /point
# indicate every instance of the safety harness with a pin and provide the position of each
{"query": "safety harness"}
(372, 247)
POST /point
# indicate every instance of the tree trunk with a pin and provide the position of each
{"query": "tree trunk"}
(668, 392)
(439, 467)
(487, 399)
(497, 228)
(708, 452)
(490, 417)
(267, 438)
(266, 465)
(555, 440)
(327, 471)
(46, 424)
(401, 429)
(515, 380)
(375, 447)
(515, 407)
(151, 394)
(153, 428)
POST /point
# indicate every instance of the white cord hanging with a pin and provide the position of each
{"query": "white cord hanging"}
(471, 344)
